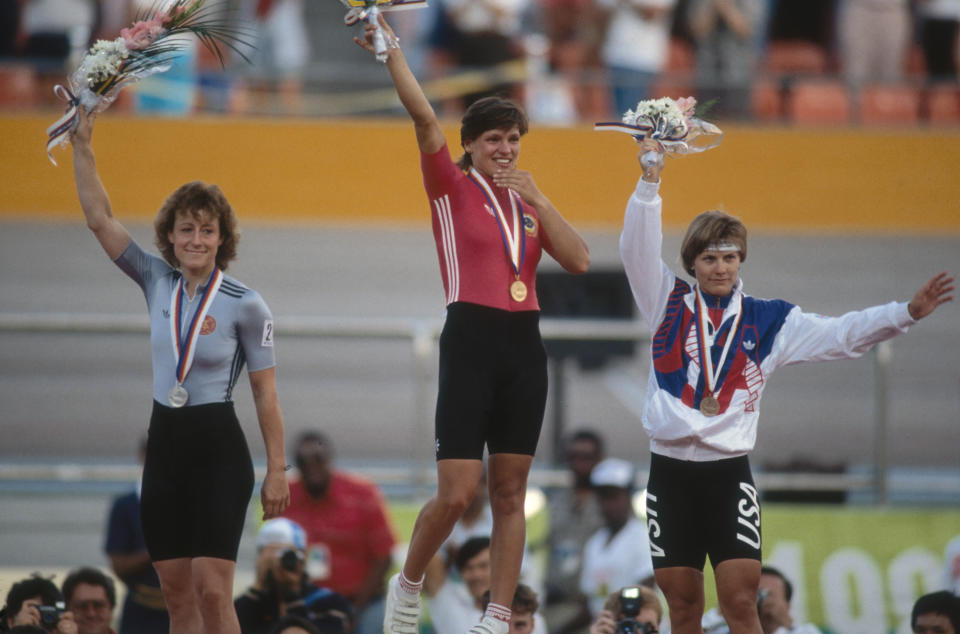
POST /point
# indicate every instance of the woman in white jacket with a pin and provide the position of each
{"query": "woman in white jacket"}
(713, 348)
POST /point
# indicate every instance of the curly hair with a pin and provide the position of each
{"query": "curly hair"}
(202, 202)
(708, 228)
(489, 113)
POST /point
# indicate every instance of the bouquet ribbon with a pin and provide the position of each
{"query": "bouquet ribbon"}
(59, 132)
(700, 135)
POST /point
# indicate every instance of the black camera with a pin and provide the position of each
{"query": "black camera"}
(630, 602)
(50, 614)
(290, 559)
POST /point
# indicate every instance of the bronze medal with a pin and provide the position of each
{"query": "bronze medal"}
(518, 291)
(709, 406)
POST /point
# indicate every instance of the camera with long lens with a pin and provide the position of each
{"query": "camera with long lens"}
(290, 559)
(630, 603)
(50, 615)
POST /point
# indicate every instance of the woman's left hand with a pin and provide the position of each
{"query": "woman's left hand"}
(935, 292)
(274, 494)
(520, 182)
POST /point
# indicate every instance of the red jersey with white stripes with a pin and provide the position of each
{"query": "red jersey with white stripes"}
(474, 261)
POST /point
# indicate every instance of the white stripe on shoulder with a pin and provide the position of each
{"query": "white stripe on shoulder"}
(449, 246)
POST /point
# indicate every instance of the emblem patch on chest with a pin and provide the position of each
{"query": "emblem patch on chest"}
(530, 225)
(208, 326)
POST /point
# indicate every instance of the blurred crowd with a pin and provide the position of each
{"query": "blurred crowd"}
(322, 568)
(567, 60)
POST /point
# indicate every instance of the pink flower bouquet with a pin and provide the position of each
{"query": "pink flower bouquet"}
(145, 48)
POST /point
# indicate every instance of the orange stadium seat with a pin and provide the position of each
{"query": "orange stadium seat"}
(943, 104)
(796, 56)
(18, 85)
(819, 101)
(894, 104)
(766, 100)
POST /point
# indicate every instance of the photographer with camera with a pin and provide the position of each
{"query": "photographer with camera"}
(36, 601)
(282, 588)
(632, 610)
(91, 596)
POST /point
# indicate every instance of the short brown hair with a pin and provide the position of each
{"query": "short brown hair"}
(199, 200)
(489, 113)
(525, 600)
(648, 599)
(712, 227)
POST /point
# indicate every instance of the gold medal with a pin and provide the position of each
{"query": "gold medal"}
(709, 406)
(518, 291)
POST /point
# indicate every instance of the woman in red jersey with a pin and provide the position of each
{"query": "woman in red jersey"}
(490, 223)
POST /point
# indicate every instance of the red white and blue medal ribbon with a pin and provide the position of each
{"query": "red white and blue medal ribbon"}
(59, 132)
(705, 346)
(184, 348)
(513, 240)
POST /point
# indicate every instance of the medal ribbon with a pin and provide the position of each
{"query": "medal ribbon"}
(703, 319)
(184, 352)
(514, 243)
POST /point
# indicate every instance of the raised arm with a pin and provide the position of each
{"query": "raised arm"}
(112, 235)
(430, 136)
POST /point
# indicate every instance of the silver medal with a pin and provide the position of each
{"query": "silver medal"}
(178, 396)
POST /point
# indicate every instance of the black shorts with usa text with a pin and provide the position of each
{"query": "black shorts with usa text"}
(697, 510)
(492, 382)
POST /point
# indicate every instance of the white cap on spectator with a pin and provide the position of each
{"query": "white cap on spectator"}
(612, 472)
(281, 531)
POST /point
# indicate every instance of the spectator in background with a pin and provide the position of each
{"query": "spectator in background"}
(648, 616)
(482, 35)
(282, 588)
(457, 605)
(294, 625)
(618, 554)
(936, 613)
(476, 521)
(951, 566)
(939, 24)
(725, 33)
(773, 606)
(875, 39)
(91, 596)
(574, 516)
(282, 51)
(144, 610)
(57, 32)
(523, 619)
(26, 600)
(349, 538)
(636, 35)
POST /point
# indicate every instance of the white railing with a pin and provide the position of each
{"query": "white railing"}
(422, 335)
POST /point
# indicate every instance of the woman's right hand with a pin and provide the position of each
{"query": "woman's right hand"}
(369, 30)
(651, 172)
(83, 133)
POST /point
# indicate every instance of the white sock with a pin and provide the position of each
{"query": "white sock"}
(498, 612)
(409, 588)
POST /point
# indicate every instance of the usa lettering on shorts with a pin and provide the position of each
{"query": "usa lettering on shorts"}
(653, 526)
(749, 520)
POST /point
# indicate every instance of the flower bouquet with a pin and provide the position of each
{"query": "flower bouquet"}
(676, 124)
(146, 48)
(369, 11)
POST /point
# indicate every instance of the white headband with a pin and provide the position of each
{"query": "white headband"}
(722, 246)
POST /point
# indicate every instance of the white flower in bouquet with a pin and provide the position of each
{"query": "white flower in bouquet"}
(671, 122)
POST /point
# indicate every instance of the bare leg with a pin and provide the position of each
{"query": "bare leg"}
(508, 488)
(683, 588)
(176, 581)
(737, 583)
(213, 585)
(456, 485)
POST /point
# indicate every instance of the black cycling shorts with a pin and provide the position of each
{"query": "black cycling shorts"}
(493, 382)
(197, 482)
(701, 509)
